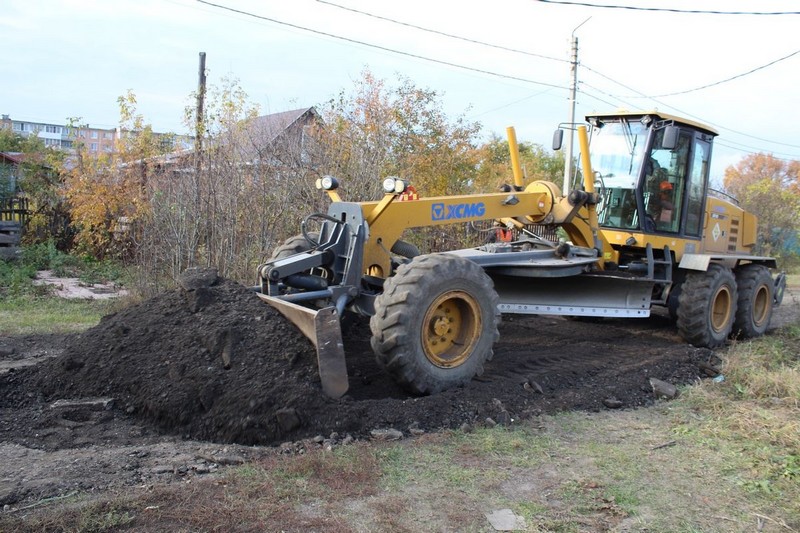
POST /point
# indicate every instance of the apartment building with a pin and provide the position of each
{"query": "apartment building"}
(96, 140)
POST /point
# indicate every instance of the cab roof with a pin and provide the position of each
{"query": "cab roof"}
(658, 115)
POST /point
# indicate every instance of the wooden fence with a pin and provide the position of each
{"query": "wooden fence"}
(14, 213)
(14, 209)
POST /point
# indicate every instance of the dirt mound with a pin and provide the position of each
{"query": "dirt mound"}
(215, 363)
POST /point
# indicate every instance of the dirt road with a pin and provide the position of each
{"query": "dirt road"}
(187, 383)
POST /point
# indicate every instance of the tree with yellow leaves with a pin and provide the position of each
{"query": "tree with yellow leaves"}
(769, 188)
(106, 194)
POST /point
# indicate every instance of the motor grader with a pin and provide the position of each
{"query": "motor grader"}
(643, 229)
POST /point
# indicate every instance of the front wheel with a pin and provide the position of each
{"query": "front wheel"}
(707, 306)
(756, 299)
(293, 245)
(435, 323)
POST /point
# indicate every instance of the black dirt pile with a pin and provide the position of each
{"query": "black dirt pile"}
(213, 362)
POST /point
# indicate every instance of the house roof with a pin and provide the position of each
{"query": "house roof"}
(12, 157)
(267, 128)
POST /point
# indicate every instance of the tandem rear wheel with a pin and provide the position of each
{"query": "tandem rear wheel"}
(720, 303)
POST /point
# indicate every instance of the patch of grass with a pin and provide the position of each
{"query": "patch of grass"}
(75, 515)
(27, 314)
(751, 422)
(437, 461)
(16, 277)
(346, 472)
(519, 446)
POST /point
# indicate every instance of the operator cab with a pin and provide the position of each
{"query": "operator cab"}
(651, 171)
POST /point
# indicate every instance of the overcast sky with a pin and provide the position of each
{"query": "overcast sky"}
(73, 58)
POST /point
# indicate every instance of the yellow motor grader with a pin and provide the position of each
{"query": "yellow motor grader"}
(642, 230)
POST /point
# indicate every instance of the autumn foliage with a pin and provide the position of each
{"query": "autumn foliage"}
(232, 198)
(769, 188)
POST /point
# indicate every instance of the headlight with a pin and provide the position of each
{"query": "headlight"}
(329, 183)
(393, 185)
(388, 185)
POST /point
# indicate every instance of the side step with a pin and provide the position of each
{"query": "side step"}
(323, 328)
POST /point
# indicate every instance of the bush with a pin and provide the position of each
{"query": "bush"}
(42, 256)
(16, 279)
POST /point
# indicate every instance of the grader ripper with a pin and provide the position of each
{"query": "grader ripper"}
(643, 230)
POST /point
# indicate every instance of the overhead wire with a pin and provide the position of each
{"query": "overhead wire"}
(437, 32)
(595, 97)
(743, 74)
(753, 150)
(509, 104)
(689, 115)
(641, 95)
(384, 48)
(667, 9)
(496, 74)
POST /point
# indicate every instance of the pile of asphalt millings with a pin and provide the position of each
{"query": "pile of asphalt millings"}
(211, 361)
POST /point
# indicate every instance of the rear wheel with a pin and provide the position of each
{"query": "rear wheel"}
(707, 306)
(754, 309)
(435, 323)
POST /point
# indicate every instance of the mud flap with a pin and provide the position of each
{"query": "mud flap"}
(324, 329)
(780, 288)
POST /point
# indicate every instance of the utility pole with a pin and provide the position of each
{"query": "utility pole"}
(201, 97)
(573, 90)
(199, 132)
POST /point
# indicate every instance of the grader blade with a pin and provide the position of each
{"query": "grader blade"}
(323, 328)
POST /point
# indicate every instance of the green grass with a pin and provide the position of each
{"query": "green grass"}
(27, 308)
(22, 315)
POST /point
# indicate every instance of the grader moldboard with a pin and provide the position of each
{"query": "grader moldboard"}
(643, 230)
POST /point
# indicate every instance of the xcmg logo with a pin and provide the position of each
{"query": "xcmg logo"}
(446, 212)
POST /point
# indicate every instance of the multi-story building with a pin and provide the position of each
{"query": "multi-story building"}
(96, 140)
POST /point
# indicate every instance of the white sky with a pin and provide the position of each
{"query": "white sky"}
(73, 58)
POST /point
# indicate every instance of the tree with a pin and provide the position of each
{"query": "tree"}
(229, 204)
(40, 182)
(106, 194)
(537, 164)
(378, 131)
(769, 188)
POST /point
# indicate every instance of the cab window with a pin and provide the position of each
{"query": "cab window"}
(665, 183)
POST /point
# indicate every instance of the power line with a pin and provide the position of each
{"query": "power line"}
(667, 9)
(642, 95)
(590, 95)
(385, 49)
(437, 32)
(689, 115)
(752, 150)
(509, 104)
(743, 74)
(742, 147)
(487, 72)
(583, 83)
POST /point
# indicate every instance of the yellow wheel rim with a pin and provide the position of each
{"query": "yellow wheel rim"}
(450, 329)
(761, 305)
(721, 309)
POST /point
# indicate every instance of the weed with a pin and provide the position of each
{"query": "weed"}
(100, 519)
(17, 280)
